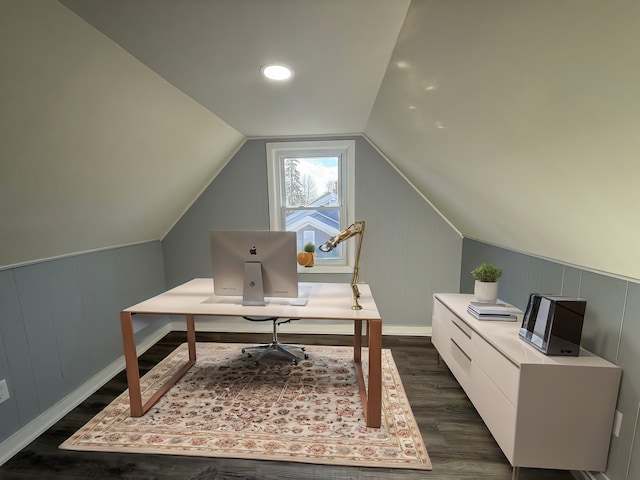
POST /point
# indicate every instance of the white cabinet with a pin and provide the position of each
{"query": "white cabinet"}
(543, 411)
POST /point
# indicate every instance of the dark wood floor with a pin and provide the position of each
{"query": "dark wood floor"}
(459, 444)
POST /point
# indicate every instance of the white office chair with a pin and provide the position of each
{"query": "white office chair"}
(275, 345)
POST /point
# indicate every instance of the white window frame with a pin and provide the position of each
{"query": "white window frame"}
(345, 149)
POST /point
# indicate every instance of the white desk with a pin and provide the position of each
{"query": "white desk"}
(327, 301)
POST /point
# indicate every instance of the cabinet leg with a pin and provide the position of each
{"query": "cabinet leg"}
(516, 473)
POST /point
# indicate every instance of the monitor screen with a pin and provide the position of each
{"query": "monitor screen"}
(254, 264)
(541, 322)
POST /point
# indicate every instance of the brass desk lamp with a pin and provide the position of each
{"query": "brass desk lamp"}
(356, 228)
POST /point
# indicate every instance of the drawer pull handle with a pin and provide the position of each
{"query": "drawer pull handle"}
(461, 350)
(461, 329)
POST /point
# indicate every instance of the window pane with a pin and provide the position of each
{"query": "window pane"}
(315, 226)
(310, 180)
(310, 193)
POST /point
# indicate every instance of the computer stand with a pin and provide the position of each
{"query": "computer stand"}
(253, 288)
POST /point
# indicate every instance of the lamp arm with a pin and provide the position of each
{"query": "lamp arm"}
(356, 269)
(356, 228)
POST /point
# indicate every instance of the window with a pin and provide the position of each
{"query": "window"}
(311, 192)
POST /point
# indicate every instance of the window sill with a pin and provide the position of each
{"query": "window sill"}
(326, 269)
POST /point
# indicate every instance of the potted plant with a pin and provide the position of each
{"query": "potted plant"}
(305, 258)
(486, 286)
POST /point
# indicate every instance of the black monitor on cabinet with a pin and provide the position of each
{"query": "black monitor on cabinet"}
(553, 324)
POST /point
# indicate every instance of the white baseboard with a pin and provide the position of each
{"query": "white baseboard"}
(319, 327)
(42, 422)
(589, 475)
(36, 427)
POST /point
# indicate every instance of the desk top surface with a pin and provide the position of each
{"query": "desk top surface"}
(331, 301)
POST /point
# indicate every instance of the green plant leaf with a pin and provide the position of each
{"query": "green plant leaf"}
(487, 273)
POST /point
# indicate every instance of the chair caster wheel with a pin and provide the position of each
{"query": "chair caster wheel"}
(256, 363)
(306, 356)
(295, 362)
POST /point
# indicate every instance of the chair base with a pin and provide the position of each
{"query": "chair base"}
(275, 347)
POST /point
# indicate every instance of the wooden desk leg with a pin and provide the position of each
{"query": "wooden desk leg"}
(131, 360)
(133, 371)
(374, 396)
(357, 341)
(191, 337)
(371, 393)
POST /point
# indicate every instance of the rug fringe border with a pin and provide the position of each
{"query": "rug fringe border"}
(416, 464)
(274, 458)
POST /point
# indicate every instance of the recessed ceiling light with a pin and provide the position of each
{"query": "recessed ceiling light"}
(277, 72)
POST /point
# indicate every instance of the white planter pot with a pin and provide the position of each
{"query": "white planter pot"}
(486, 292)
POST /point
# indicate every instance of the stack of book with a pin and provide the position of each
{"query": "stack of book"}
(490, 311)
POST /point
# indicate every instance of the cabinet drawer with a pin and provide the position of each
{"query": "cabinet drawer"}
(445, 325)
(502, 372)
(459, 364)
(461, 334)
(498, 413)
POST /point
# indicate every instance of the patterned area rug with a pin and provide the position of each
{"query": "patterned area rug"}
(225, 406)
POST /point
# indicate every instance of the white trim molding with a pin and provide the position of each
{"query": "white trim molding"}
(42, 422)
(39, 425)
(316, 327)
(589, 475)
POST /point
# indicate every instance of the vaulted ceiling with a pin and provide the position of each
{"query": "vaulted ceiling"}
(516, 120)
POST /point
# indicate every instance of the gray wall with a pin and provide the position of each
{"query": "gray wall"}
(59, 319)
(59, 323)
(409, 251)
(611, 326)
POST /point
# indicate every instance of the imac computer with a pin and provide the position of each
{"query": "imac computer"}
(254, 265)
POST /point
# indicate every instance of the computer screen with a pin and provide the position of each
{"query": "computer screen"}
(254, 264)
